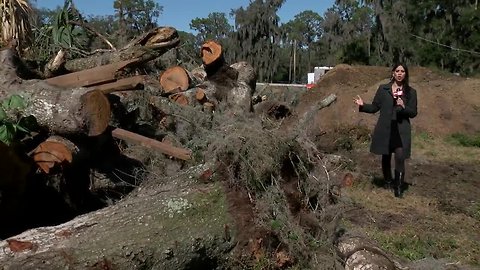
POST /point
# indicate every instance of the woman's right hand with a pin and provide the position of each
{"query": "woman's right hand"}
(358, 100)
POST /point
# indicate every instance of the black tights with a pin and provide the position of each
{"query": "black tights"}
(399, 160)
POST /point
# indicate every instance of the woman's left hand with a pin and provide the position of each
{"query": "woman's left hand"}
(400, 103)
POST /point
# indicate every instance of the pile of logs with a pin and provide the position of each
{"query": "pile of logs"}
(79, 102)
(213, 84)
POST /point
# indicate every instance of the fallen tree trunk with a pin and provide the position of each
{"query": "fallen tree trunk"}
(73, 111)
(307, 117)
(147, 47)
(163, 227)
(78, 110)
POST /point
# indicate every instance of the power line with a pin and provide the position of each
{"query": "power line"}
(446, 46)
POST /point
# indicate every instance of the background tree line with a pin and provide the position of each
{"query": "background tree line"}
(439, 34)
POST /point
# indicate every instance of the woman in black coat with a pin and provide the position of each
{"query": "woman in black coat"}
(397, 103)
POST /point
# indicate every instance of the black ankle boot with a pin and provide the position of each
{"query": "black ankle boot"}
(398, 188)
(387, 178)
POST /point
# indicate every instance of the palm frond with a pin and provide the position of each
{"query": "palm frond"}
(15, 21)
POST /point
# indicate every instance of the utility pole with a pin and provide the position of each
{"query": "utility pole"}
(295, 60)
(290, 64)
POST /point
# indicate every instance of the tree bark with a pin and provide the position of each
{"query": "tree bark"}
(228, 88)
(246, 74)
(306, 118)
(147, 47)
(73, 111)
(170, 226)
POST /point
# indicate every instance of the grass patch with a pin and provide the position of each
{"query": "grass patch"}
(412, 246)
(415, 228)
(474, 210)
(464, 140)
(448, 149)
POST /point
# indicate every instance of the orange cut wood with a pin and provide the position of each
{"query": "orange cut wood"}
(179, 98)
(96, 110)
(174, 79)
(200, 96)
(49, 153)
(211, 51)
(90, 77)
(180, 153)
(130, 83)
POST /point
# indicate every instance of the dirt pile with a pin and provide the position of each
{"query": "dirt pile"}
(446, 103)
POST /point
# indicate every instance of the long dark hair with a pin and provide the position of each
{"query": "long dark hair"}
(405, 81)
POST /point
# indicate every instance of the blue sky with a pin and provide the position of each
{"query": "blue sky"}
(179, 13)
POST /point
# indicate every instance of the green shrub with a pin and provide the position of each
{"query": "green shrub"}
(12, 122)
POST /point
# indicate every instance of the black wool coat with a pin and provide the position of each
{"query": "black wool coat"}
(385, 103)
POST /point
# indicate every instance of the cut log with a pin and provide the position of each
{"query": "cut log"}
(211, 52)
(147, 47)
(200, 96)
(73, 111)
(174, 79)
(131, 83)
(180, 153)
(179, 98)
(96, 111)
(90, 77)
(360, 253)
(78, 110)
(52, 152)
(177, 79)
(194, 97)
